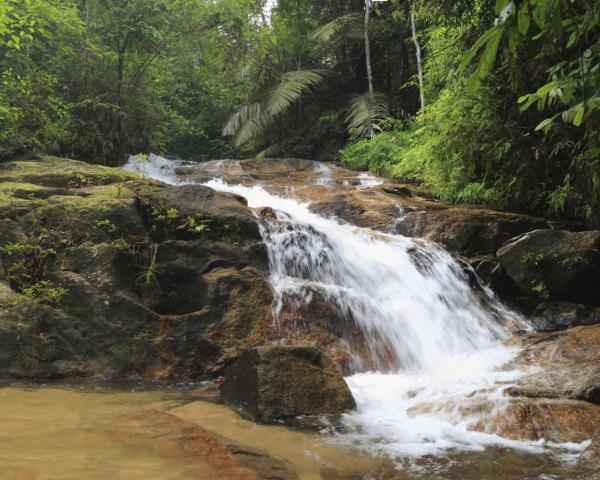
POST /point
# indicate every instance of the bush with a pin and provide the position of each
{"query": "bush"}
(451, 148)
(380, 155)
(31, 115)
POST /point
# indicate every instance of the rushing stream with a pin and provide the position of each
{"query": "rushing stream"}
(432, 378)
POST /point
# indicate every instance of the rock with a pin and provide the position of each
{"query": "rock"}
(553, 420)
(156, 281)
(273, 383)
(555, 264)
(561, 365)
(467, 230)
(207, 455)
(386, 206)
(553, 316)
(590, 458)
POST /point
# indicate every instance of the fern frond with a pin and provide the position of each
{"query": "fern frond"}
(366, 114)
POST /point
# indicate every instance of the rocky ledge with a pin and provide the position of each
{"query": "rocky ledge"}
(107, 274)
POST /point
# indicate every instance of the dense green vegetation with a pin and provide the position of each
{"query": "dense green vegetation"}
(482, 101)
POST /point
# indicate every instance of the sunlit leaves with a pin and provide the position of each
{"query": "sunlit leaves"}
(573, 84)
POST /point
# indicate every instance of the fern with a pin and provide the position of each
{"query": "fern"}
(366, 114)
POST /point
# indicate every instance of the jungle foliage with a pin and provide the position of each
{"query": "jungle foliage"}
(501, 106)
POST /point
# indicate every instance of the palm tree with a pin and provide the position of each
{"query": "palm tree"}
(271, 98)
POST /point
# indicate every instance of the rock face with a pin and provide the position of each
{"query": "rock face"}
(563, 365)
(590, 458)
(468, 231)
(553, 316)
(555, 265)
(104, 273)
(271, 383)
(387, 205)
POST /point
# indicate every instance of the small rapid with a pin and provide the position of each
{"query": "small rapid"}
(434, 373)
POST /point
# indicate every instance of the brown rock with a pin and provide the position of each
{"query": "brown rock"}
(272, 383)
(555, 264)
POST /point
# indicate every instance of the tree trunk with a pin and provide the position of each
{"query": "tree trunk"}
(120, 76)
(418, 52)
(368, 47)
(368, 61)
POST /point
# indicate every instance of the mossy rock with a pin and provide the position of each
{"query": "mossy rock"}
(95, 237)
(555, 265)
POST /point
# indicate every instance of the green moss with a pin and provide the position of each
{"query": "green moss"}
(540, 289)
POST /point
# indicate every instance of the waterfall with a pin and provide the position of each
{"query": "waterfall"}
(436, 360)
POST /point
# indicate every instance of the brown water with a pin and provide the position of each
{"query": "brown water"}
(90, 433)
(77, 433)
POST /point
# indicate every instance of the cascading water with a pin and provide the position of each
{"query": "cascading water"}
(435, 345)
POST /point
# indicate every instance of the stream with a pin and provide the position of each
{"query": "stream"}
(430, 375)
(434, 376)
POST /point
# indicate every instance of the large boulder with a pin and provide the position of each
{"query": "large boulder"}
(273, 383)
(555, 265)
(106, 273)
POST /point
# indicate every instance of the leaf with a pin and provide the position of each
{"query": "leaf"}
(572, 39)
(523, 19)
(556, 20)
(545, 125)
(291, 87)
(579, 114)
(472, 52)
(488, 57)
(500, 5)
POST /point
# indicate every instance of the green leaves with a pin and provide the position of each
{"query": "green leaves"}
(523, 18)
(291, 87)
(489, 41)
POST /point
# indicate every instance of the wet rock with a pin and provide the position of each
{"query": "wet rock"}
(273, 383)
(552, 316)
(561, 365)
(555, 265)
(266, 167)
(208, 455)
(553, 420)
(468, 231)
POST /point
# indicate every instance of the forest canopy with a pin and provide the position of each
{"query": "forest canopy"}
(480, 101)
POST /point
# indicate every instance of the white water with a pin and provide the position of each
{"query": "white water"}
(436, 348)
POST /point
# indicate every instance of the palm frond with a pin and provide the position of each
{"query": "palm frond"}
(252, 119)
(336, 27)
(290, 89)
(246, 113)
(366, 114)
(252, 129)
